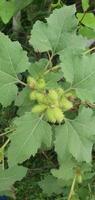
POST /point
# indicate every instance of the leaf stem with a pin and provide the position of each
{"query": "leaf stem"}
(86, 103)
(5, 144)
(55, 5)
(83, 16)
(22, 83)
(89, 50)
(69, 89)
(72, 188)
(49, 61)
(52, 69)
(3, 134)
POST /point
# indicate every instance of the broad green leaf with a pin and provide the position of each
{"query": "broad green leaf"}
(37, 69)
(85, 4)
(80, 72)
(51, 35)
(66, 170)
(75, 136)
(13, 60)
(52, 78)
(9, 176)
(9, 8)
(6, 10)
(23, 101)
(31, 132)
(87, 32)
(50, 185)
(88, 20)
(86, 171)
(74, 44)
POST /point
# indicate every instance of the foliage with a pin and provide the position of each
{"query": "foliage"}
(54, 97)
(9, 8)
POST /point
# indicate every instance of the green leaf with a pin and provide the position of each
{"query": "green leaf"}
(66, 170)
(80, 72)
(85, 4)
(31, 132)
(9, 176)
(87, 32)
(23, 101)
(88, 20)
(50, 185)
(37, 69)
(76, 136)
(52, 78)
(6, 10)
(10, 8)
(13, 60)
(51, 35)
(86, 171)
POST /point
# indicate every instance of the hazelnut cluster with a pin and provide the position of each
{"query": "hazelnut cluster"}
(52, 103)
